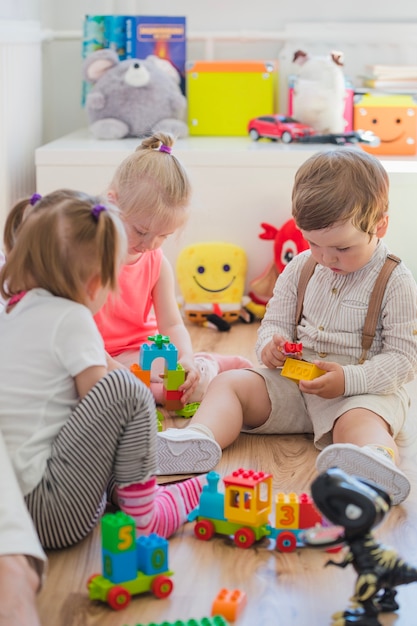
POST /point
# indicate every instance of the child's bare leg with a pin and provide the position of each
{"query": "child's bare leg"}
(232, 397)
(363, 427)
(364, 446)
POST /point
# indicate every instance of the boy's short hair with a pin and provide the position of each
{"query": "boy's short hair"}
(338, 185)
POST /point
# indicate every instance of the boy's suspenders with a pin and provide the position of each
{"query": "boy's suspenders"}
(368, 332)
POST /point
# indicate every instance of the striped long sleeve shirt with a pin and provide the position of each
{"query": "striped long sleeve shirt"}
(335, 308)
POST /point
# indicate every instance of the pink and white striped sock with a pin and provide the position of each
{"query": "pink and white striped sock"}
(160, 510)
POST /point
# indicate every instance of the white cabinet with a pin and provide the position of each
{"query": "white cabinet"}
(237, 184)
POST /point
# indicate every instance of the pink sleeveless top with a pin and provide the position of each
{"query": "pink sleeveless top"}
(127, 319)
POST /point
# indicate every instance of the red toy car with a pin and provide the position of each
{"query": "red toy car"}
(278, 127)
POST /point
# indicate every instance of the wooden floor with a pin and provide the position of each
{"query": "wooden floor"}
(282, 589)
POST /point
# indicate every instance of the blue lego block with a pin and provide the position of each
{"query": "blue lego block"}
(149, 352)
(152, 554)
(119, 567)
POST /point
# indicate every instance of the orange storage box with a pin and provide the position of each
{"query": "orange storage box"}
(392, 118)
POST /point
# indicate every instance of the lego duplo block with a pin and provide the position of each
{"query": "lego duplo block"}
(392, 118)
(224, 95)
(143, 375)
(229, 604)
(118, 532)
(152, 554)
(174, 378)
(119, 567)
(309, 516)
(300, 370)
(150, 352)
(287, 510)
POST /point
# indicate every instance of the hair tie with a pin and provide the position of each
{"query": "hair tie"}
(35, 198)
(96, 210)
(164, 148)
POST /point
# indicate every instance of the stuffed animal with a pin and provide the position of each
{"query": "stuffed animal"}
(211, 277)
(133, 98)
(288, 241)
(319, 91)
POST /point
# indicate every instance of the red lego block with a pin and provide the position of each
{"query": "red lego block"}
(308, 514)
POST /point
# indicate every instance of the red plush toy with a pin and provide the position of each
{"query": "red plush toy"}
(288, 241)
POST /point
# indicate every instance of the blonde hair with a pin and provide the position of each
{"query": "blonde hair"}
(340, 185)
(62, 241)
(153, 182)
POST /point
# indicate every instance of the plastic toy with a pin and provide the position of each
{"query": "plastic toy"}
(297, 370)
(229, 603)
(244, 508)
(278, 127)
(174, 373)
(358, 506)
(217, 620)
(292, 348)
(211, 277)
(133, 98)
(367, 137)
(288, 242)
(131, 565)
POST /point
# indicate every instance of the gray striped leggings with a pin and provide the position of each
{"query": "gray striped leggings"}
(110, 438)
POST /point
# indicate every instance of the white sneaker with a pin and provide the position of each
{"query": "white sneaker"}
(186, 451)
(366, 463)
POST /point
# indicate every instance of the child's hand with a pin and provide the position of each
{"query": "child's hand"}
(273, 353)
(329, 385)
(191, 380)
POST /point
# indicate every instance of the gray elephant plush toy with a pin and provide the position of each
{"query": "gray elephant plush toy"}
(133, 98)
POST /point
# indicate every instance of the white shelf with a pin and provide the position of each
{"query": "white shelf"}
(237, 184)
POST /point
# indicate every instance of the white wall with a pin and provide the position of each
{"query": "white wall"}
(62, 57)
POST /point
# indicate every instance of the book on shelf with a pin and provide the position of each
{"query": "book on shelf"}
(102, 31)
(391, 72)
(391, 85)
(163, 36)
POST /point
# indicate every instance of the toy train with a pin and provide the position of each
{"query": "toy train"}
(131, 565)
(243, 511)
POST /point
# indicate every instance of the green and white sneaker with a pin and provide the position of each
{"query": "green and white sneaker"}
(186, 451)
(365, 462)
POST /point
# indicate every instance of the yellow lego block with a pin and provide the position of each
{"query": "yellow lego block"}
(287, 510)
(300, 370)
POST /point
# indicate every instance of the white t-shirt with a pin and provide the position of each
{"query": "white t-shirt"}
(45, 341)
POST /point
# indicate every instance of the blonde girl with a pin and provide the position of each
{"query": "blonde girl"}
(153, 192)
(77, 434)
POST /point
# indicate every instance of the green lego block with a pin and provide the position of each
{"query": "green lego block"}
(217, 620)
(174, 378)
(118, 532)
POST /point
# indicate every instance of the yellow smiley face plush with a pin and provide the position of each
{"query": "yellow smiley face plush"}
(211, 277)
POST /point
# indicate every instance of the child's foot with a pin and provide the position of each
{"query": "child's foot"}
(186, 451)
(366, 462)
(160, 510)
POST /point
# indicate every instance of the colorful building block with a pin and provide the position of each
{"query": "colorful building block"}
(152, 554)
(216, 620)
(149, 352)
(297, 370)
(392, 118)
(229, 604)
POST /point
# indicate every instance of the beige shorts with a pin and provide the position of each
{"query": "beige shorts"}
(294, 412)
